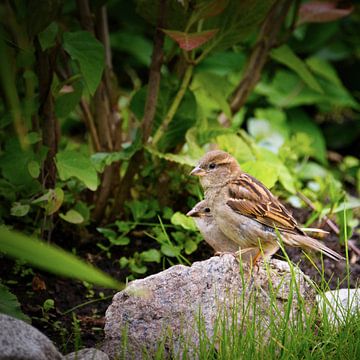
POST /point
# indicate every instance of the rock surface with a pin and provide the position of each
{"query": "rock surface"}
(167, 305)
(339, 304)
(19, 340)
(87, 354)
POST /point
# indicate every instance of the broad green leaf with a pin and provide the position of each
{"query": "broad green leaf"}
(324, 69)
(179, 159)
(83, 209)
(33, 137)
(89, 52)
(217, 89)
(66, 103)
(74, 164)
(263, 171)
(102, 159)
(48, 36)
(137, 268)
(311, 170)
(184, 221)
(287, 90)
(191, 41)
(136, 45)
(120, 241)
(72, 216)
(300, 122)
(151, 255)
(34, 169)
(286, 56)
(236, 146)
(183, 120)
(237, 22)
(19, 209)
(55, 200)
(108, 233)
(51, 258)
(170, 250)
(190, 246)
(10, 305)
(14, 166)
(50, 201)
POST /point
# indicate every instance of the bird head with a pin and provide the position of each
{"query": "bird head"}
(215, 168)
(200, 210)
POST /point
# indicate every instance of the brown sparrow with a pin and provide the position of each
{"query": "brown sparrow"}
(246, 211)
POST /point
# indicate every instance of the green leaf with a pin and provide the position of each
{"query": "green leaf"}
(264, 171)
(236, 146)
(66, 103)
(137, 269)
(190, 246)
(183, 120)
(89, 52)
(48, 304)
(217, 89)
(136, 45)
(324, 69)
(108, 233)
(120, 241)
(51, 258)
(34, 169)
(19, 209)
(151, 255)
(179, 159)
(10, 305)
(102, 159)
(184, 221)
(19, 174)
(72, 216)
(300, 122)
(48, 36)
(170, 250)
(51, 201)
(73, 164)
(286, 56)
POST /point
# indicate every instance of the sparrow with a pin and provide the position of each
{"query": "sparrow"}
(246, 211)
(207, 225)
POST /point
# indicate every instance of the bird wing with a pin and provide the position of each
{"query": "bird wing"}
(249, 197)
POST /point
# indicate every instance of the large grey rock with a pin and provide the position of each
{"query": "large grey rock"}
(166, 306)
(87, 354)
(21, 341)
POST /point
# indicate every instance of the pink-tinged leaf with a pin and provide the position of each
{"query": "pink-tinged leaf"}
(211, 9)
(322, 11)
(191, 41)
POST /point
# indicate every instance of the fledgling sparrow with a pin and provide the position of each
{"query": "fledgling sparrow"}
(246, 211)
(205, 222)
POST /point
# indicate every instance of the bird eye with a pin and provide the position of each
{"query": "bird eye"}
(207, 210)
(212, 166)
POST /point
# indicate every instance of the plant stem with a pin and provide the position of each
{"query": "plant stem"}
(267, 39)
(175, 104)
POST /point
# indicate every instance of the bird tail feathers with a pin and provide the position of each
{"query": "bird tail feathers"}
(306, 241)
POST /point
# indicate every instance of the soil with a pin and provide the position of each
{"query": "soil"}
(33, 287)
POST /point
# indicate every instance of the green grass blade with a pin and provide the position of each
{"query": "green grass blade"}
(52, 259)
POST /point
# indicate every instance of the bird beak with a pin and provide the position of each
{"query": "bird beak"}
(193, 213)
(198, 171)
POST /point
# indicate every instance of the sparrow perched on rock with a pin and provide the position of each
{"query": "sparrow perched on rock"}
(246, 211)
(209, 229)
